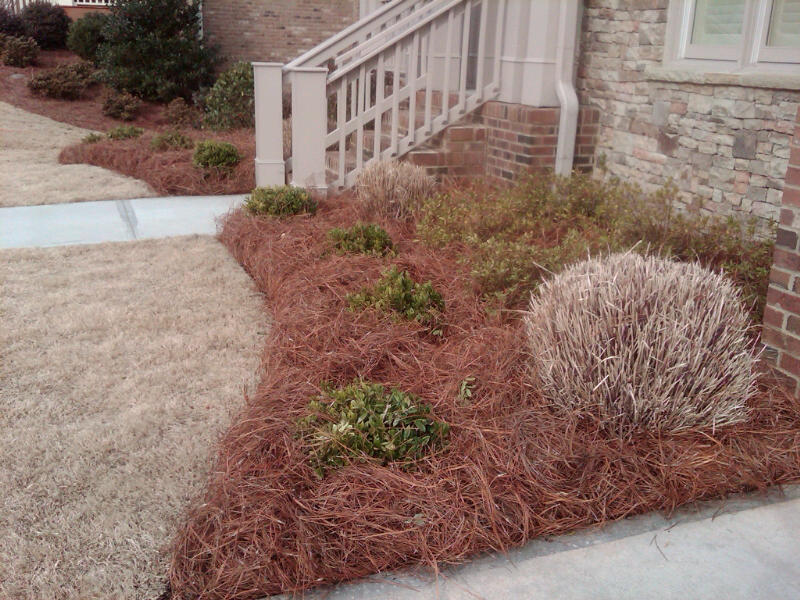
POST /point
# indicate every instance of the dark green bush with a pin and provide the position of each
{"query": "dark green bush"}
(11, 24)
(171, 140)
(46, 23)
(362, 239)
(86, 35)
(153, 49)
(18, 51)
(121, 105)
(181, 114)
(67, 82)
(230, 102)
(280, 201)
(396, 292)
(363, 420)
(124, 132)
(216, 155)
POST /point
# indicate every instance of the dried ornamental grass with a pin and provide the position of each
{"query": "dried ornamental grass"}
(643, 342)
(393, 189)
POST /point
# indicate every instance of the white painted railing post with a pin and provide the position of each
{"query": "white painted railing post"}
(309, 127)
(269, 166)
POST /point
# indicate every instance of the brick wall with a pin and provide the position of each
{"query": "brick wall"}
(273, 30)
(725, 146)
(781, 331)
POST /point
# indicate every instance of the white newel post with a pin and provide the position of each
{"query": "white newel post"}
(270, 169)
(309, 127)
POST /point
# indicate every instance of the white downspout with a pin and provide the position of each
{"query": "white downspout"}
(568, 26)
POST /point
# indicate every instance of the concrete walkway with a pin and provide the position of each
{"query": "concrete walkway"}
(742, 549)
(112, 220)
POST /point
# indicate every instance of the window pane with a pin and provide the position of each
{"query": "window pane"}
(784, 25)
(718, 22)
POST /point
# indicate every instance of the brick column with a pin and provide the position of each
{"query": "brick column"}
(781, 333)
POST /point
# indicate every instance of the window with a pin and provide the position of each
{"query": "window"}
(734, 35)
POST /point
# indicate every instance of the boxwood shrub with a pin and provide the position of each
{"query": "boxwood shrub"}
(211, 154)
(362, 239)
(280, 201)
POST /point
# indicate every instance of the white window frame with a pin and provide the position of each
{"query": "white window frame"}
(752, 55)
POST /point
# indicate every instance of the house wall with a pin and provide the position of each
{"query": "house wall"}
(273, 30)
(726, 146)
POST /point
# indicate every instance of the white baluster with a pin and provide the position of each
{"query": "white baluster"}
(462, 87)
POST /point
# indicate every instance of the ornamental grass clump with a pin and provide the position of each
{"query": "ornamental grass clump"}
(393, 189)
(364, 420)
(362, 238)
(643, 343)
(396, 292)
(280, 201)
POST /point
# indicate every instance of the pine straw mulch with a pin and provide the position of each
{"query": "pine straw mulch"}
(513, 469)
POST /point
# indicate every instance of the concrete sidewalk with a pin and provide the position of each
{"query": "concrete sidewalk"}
(112, 220)
(742, 549)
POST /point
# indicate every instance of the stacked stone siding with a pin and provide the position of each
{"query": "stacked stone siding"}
(725, 146)
(273, 30)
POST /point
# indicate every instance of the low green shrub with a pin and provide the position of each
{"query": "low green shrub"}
(121, 105)
(18, 51)
(280, 201)
(397, 293)
(46, 23)
(86, 34)
(10, 23)
(124, 132)
(364, 420)
(362, 239)
(181, 114)
(211, 154)
(171, 140)
(230, 102)
(65, 82)
(93, 138)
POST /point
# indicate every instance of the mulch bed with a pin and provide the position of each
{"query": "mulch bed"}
(513, 469)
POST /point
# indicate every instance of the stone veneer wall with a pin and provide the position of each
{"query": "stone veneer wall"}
(273, 30)
(726, 146)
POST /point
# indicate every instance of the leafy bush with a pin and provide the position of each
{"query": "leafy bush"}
(121, 105)
(230, 103)
(171, 140)
(67, 82)
(364, 420)
(46, 23)
(362, 239)
(398, 293)
(393, 189)
(11, 24)
(86, 35)
(124, 132)
(153, 49)
(93, 138)
(643, 343)
(517, 235)
(216, 155)
(280, 201)
(181, 114)
(18, 51)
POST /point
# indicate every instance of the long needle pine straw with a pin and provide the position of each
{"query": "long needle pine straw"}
(513, 469)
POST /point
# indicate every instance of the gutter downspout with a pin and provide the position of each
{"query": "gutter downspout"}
(568, 25)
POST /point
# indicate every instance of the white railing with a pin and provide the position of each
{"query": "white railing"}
(415, 73)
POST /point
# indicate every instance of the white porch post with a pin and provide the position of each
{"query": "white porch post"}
(269, 166)
(309, 127)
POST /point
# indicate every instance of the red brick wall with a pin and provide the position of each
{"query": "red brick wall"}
(781, 332)
(273, 30)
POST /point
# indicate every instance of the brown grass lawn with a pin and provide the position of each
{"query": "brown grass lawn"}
(119, 366)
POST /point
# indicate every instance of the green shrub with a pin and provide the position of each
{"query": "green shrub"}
(171, 140)
(365, 420)
(211, 154)
(121, 105)
(181, 114)
(124, 132)
(280, 201)
(86, 35)
(153, 49)
(67, 82)
(362, 239)
(46, 23)
(93, 138)
(18, 51)
(10, 23)
(230, 102)
(396, 292)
